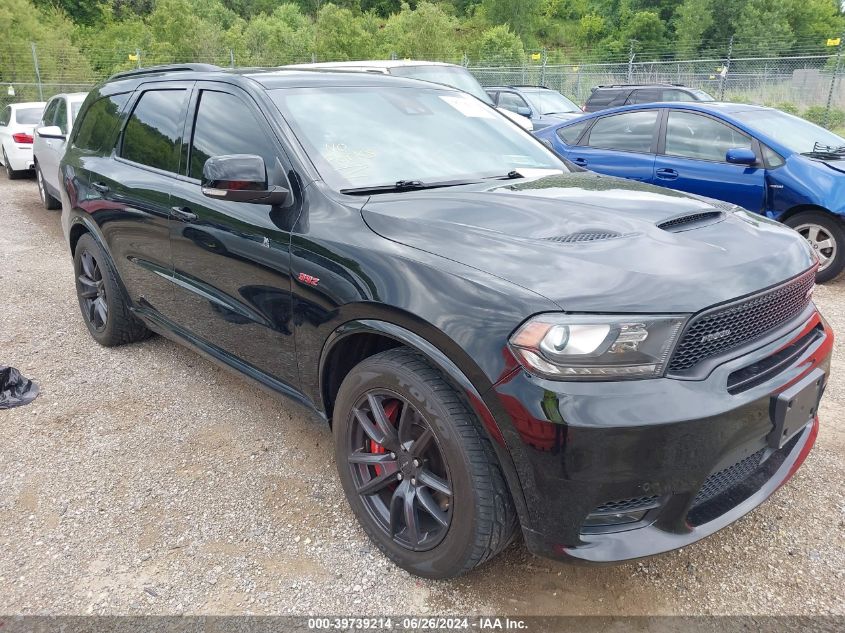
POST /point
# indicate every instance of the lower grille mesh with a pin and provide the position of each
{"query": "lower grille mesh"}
(625, 505)
(719, 482)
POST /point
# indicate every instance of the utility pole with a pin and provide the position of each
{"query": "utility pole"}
(725, 69)
(832, 79)
(37, 72)
(631, 61)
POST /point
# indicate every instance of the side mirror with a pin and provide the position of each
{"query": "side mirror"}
(240, 178)
(741, 156)
(51, 131)
(524, 111)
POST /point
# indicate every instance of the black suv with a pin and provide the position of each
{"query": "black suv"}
(498, 339)
(603, 97)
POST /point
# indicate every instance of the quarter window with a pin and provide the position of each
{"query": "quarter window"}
(630, 132)
(96, 130)
(49, 116)
(571, 133)
(695, 136)
(152, 133)
(61, 116)
(241, 134)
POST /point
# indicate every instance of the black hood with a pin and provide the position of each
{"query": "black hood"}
(594, 243)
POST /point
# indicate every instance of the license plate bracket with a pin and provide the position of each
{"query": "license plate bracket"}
(794, 407)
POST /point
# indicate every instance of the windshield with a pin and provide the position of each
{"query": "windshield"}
(376, 136)
(548, 101)
(794, 133)
(455, 76)
(28, 116)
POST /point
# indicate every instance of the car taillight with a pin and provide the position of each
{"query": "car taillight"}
(22, 138)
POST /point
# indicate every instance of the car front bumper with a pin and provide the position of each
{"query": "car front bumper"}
(680, 459)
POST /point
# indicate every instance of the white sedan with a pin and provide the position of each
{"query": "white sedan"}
(17, 122)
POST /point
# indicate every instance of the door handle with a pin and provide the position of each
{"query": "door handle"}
(102, 188)
(581, 162)
(183, 213)
(666, 174)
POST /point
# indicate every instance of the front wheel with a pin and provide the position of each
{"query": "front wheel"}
(825, 234)
(417, 468)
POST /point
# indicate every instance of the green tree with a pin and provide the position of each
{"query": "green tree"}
(692, 20)
(341, 35)
(425, 32)
(497, 46)
(763, 28)
(522, 16)
(286, 36)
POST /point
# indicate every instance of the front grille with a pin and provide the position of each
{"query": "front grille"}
(584, 236)
(728, 327)
(626, 505)
(719, 482)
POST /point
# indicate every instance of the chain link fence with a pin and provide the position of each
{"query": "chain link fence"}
(808, 84)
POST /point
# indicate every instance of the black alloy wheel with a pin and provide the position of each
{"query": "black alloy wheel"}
(399, 470)
(91, 289)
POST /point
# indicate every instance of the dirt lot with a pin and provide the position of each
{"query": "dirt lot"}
(144, 479)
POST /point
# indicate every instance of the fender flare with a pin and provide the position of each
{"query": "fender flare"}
(454, 374)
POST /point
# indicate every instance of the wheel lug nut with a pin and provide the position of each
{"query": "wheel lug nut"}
(413, 481)
(399, 476)
(393, 456)
(416, 462)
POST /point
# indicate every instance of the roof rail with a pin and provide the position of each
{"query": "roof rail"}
(166, 68)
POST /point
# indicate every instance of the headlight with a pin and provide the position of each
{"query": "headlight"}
(596, 347)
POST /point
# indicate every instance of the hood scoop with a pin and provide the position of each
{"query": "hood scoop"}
(689, 221)
(584, 236)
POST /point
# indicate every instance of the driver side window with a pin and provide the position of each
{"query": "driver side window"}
(242, 134)
(694, 136)
(511, 101)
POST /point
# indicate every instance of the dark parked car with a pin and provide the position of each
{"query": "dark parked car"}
(542, 105)
(498, 339)
(603, 97)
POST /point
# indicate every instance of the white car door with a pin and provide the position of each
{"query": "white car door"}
(54, 148)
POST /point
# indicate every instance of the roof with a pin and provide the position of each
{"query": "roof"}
(654, 85)
(371, 63)
(73, 96)
(518, 87)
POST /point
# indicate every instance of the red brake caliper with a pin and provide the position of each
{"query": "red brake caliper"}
(391, 409)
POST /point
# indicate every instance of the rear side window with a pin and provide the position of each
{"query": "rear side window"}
(241, 134)
(511, 101)
(151, 136)
(607, 97)
(631, 131)
(677, 95)
(96, 129)
(647, 95)
(571, 133)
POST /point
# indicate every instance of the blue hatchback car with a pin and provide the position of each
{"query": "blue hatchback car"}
(759, 158)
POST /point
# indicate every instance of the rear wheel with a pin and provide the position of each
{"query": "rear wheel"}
(104, 309)
(417, 469)
(11, 174)
(825, 234)
(50, 203)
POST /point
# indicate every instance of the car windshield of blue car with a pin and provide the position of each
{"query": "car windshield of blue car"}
(548, 101)
(408, 138)
(455, 76)
(795, 133)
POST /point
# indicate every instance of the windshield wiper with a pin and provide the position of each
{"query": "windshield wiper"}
(511, 175)
(820, 150)
(404, 185)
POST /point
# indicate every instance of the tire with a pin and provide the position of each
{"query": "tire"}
(11, 174)
(821, 229)
(50, 203)
(97, 287)
(479, 515)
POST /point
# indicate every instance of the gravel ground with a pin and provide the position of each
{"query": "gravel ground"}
(144, 479)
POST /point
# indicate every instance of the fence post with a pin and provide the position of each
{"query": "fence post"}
(138, 56)
(231, 58)
(832, 80)
(726, 69)
(631, 61)
(37, 72)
